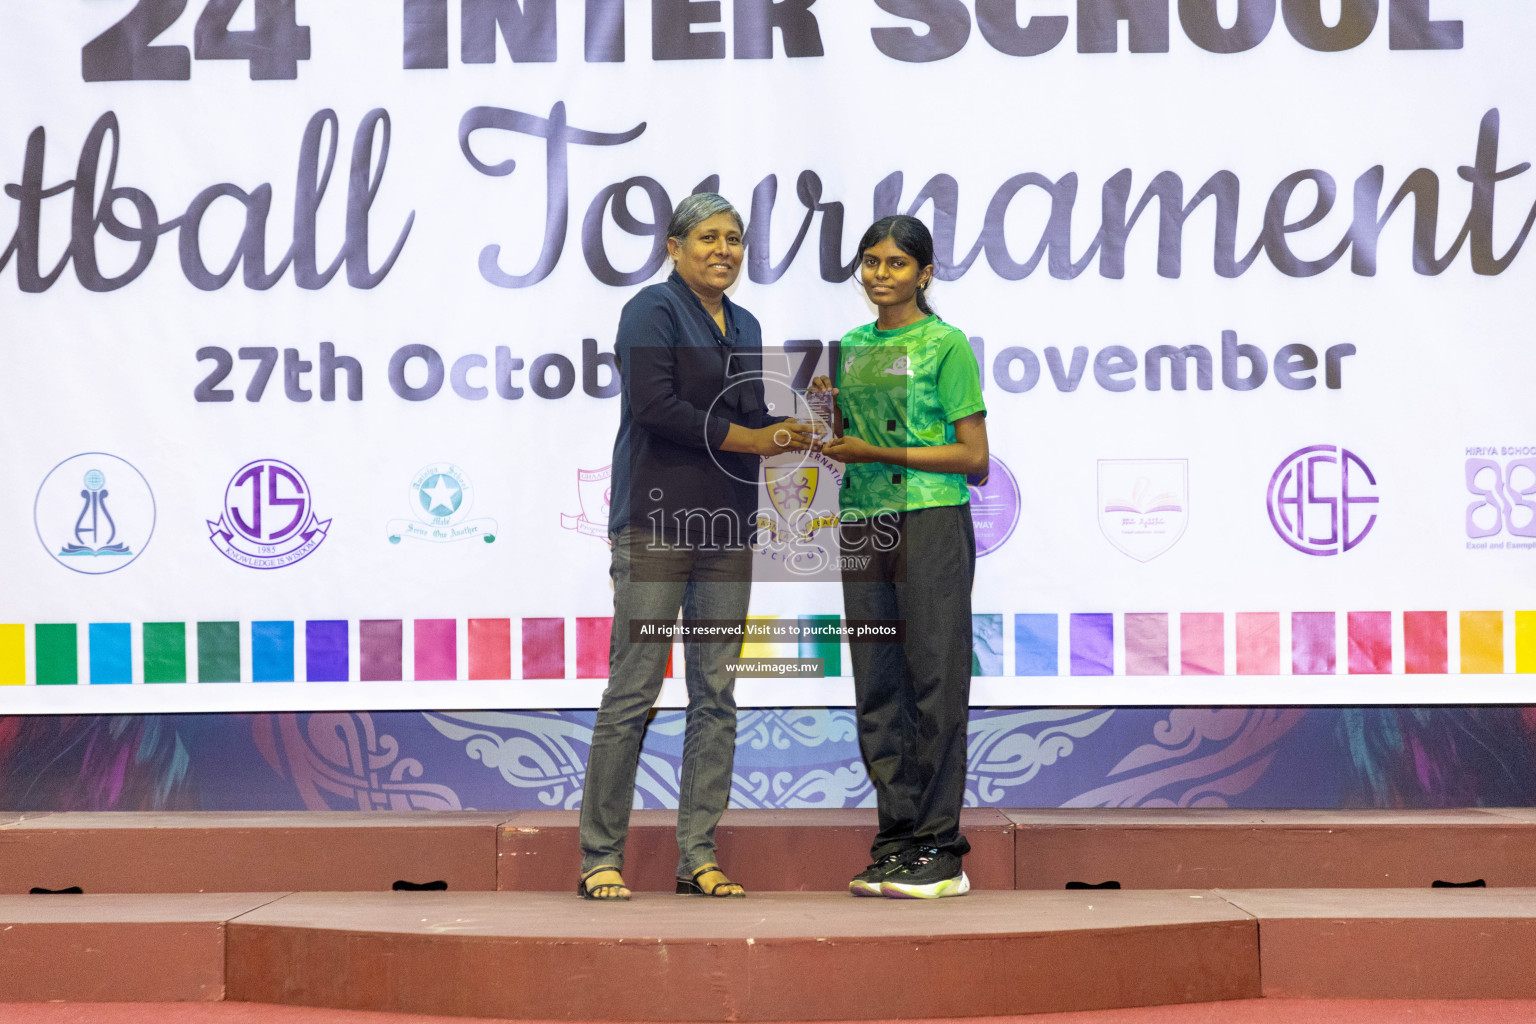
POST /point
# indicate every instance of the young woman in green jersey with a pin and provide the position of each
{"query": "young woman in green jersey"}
(912, 425)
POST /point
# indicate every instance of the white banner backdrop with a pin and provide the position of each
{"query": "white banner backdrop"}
(309, 310)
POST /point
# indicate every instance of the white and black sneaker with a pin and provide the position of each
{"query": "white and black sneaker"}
(867, 882)
(926, 873)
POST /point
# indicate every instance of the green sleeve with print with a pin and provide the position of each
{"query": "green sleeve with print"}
(959, 384)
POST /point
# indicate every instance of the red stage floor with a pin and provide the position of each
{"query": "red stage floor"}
(1249, 1011)
(486, 947)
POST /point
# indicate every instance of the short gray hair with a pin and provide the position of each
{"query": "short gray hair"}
(695, 210)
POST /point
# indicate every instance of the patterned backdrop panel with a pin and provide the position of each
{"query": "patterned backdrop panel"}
(785, 758)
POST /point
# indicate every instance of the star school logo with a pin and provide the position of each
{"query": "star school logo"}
(902, 367)
(94, 513)
(268, 520)
(440, 497)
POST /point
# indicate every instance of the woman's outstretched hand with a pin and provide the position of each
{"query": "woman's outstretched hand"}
(774, 439)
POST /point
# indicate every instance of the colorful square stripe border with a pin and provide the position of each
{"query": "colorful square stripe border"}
(1271, 643)
(1022, 644)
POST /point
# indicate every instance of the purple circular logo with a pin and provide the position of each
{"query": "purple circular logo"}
(268, 518)
(1313, 498)
(994, 507)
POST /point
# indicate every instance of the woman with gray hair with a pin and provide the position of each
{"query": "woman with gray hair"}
(693, 423)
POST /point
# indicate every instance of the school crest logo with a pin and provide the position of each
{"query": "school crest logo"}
(995, 505)
(792, 541)
(1322, 500)
(440, 498)
(94, 513)
(268, 520)
(1143, 504)
(1504, 490)
(791, 489)
(594, 489)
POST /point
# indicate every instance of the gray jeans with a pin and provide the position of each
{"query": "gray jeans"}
(653, 582)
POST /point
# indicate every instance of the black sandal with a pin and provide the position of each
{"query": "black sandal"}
(691, 886)
(613, 891)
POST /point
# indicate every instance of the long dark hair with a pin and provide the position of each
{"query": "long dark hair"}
(911, 237)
